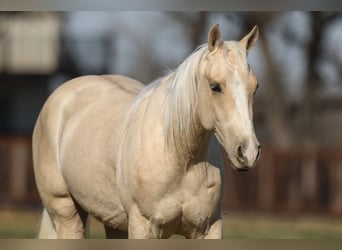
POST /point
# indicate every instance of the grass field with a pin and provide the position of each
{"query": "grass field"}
(24, 224)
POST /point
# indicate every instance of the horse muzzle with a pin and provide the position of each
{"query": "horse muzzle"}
(246, 155)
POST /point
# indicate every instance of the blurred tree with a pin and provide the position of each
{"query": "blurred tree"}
(195, 23)
(291, 124)
(307, 131)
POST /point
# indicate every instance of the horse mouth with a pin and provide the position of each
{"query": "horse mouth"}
(238, 166)
(242, 169)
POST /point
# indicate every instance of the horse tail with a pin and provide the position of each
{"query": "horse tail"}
(47, 230)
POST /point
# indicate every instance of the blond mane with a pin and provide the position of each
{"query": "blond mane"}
(180, 101)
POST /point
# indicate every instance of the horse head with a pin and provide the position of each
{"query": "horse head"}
(227, 86)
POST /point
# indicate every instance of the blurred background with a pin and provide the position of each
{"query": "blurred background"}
(295, 190)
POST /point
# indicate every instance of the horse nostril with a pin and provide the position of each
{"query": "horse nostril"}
(239, 150)
(258, 153)
(240, 153)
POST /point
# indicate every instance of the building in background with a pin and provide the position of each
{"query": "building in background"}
(29, 55)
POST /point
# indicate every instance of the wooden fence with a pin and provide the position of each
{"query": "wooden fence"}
(17, 185)
(294, 180)
(291, 181)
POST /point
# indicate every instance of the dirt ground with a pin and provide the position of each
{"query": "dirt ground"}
(20, 224)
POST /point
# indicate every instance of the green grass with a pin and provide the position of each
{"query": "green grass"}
(24, 224)
(259, 226)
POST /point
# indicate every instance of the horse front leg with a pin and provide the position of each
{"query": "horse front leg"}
(215, 230)
(139, 227)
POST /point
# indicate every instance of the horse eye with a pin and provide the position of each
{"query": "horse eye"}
(215, 87)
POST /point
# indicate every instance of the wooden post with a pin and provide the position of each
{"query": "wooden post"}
(308, 184)
(265, 168)
(336, 187)
(19, 156)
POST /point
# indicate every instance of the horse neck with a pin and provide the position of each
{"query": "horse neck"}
(191, 150)
(199, 147)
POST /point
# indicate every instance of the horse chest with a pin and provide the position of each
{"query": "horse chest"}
(202, 203)
(193, 204)
(202, 196)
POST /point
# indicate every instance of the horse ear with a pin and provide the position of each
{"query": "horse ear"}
(250, 39)
(214, 37)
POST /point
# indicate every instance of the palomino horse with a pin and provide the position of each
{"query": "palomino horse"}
(135, 157)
